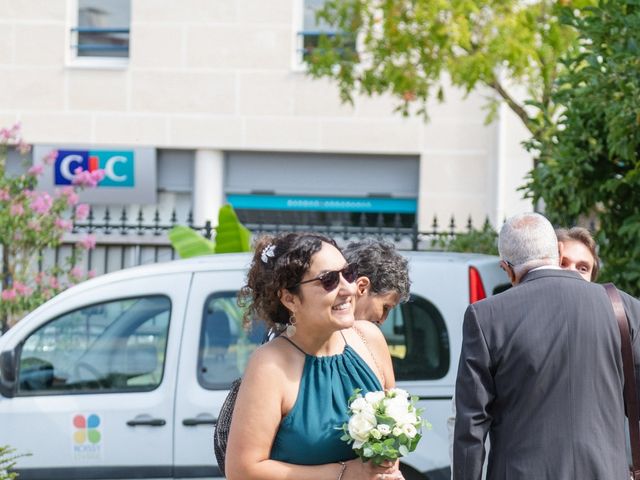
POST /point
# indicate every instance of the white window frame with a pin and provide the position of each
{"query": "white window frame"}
(71, 41)
(297, 63)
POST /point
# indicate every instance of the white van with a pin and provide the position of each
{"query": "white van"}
(122, 376)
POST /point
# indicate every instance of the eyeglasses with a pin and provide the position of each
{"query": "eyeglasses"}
(331, 279)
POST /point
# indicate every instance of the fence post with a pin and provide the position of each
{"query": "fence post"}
(208, 230)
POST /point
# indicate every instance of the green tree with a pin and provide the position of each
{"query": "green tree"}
(593, 167)
(406, 47)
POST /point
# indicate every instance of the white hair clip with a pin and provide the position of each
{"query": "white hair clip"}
(267, 253)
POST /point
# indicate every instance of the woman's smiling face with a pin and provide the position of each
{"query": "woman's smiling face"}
(317, 307)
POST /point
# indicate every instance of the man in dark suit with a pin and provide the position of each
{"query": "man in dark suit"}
(541, 370)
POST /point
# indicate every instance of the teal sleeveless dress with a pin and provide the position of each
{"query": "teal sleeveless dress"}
(309, 434)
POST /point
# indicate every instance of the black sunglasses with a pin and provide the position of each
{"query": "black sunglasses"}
(331, 279)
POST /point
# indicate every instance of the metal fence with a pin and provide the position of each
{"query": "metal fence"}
(123, 241)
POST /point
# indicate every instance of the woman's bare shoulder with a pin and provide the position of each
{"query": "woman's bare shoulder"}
(272, 359)
(370, 331)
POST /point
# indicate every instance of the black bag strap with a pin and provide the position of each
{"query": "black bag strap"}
(630, 393)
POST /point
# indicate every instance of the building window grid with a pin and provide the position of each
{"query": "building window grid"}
(100, 31)
(308, 37)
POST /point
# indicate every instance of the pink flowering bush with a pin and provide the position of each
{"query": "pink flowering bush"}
(32, 221)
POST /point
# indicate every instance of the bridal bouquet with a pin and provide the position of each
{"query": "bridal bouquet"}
(383, 425)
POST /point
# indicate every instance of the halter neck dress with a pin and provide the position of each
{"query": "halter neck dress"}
(309, 434)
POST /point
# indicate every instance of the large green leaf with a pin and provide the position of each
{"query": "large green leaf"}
(189, 243)
(231, 235)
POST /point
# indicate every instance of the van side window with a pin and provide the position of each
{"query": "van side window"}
(418, 340)
(225, 345)
(115, 346)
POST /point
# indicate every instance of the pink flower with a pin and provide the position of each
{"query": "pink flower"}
(15, 129)
(82, 212)
(62, 224)
(72, 196)
(21, 289)
(88, 242)
(91, 274)
(50, 157)
(23, 147)
(12, 133)
(4, 194)
(34, 225)
(8, 294)
(85, 178)
(42, 203)
(54, 283)
(40, 277)
(35, 171)
(97, 175)
(76, 273)
(16, 209)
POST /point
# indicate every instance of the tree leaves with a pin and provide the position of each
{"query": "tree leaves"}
(592, 166)
(405, 48)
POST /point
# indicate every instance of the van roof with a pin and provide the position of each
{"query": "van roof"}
(232, 261)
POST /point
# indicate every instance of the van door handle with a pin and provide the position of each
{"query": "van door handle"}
(146, 420)
(202, 419)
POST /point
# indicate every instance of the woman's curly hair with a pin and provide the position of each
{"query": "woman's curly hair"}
(279, 262)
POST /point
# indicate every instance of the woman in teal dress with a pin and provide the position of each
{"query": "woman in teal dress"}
(294, 393)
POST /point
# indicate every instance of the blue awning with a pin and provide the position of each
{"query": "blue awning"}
(323, 204)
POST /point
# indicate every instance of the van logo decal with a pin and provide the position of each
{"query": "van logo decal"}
(87, 439)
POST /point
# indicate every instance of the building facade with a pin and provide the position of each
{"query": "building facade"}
(189, 105)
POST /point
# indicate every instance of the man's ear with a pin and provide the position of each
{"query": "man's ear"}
(362, 285)
(509, 271)
(288, 299)
(560, 253)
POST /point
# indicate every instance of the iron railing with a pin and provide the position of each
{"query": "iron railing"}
(123, 241)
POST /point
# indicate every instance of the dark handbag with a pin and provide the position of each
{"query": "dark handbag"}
(223, 424)
(630, 394)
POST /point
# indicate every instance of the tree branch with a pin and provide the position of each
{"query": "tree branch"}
(513, 105)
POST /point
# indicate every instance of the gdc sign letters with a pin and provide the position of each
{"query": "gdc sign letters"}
(118, 166)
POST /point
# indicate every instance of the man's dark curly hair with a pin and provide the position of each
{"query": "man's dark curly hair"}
(380, 262)
(279, 262)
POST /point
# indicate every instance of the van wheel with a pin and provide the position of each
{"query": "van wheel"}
(410, 473)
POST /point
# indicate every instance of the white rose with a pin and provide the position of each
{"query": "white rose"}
(374, 397)
(399, 402)
(409, 430)
(360, 425)
(397, 431)
(384, 429)
(360, 405)
(375, 433)
(400, 413)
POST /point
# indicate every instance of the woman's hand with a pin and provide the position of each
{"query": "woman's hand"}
(359, 470)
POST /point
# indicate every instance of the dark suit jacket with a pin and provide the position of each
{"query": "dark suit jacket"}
(541, 371)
